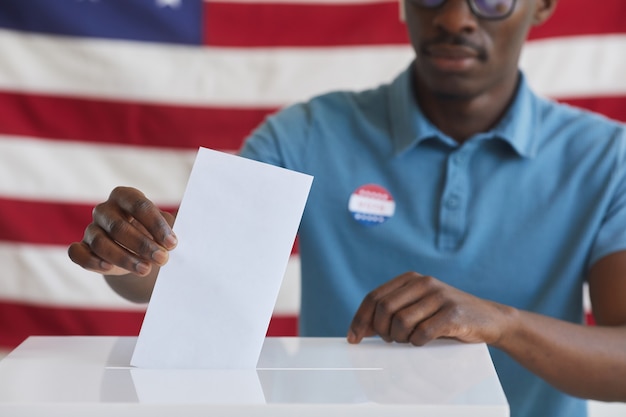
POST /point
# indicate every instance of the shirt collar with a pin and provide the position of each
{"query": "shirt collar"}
(409, 126)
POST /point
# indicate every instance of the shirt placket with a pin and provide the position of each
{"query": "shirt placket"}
(454, 200)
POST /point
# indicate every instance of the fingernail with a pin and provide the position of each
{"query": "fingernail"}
(142, 268)
(105, 265)
(170, 241)
(160, 256)
(351, 336)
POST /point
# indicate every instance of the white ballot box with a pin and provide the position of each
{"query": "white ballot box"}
(91, 376)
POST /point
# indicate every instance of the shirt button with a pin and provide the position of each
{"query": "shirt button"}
(457, 159)
(453, 202)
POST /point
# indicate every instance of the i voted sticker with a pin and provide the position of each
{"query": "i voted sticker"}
(371, 204)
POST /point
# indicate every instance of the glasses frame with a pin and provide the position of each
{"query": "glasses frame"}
(473, 7)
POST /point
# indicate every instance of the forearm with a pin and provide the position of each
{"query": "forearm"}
(584, 361)
(132, 287)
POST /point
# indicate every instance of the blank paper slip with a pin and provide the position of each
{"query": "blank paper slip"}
(213, 300)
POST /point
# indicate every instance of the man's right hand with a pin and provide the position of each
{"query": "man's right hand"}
(128, 235)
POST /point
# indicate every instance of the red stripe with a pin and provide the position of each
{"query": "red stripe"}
(301, 25)
(613, 107)
(48, 223)
(283, 325)
(129, 123)
(284, 24)
(125, 123)
(581, 17)
(18, 321)
(39, 222)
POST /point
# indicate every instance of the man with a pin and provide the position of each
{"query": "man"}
(490, 206)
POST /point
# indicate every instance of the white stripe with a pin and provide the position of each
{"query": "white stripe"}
(584, 66)
(35, 169)
(44, 275)
(189, 75)
(288, 302)
(586, 299)
(560, 67)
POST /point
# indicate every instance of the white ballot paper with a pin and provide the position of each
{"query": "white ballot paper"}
(213, 300)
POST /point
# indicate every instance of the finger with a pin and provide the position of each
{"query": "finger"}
(121, 255)
(360, 326)
(432, 328)
(169, 217)
(405, 321)
(362, 322)
(112, 225)
(452, 320)
(138, 206)
(81, 255)
(391, 307)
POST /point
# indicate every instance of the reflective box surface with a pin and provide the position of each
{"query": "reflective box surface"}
(79, 376)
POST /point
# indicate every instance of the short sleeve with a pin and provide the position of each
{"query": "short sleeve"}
(611, 236)
(281, 139)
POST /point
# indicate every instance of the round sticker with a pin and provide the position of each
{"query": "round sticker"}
(371, 204)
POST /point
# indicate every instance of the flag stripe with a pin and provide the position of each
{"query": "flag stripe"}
(142, 124)
(39, 222)
(249, 24)
(613, 107)
(18, 321)
(65, 284)
(315, 23)
(45, 170)
(126, 122)
(308, 24)
(59, 283)
(149, 75)
(49, 223)
(189, 76)
(575, 67)
(577, 18)
(138, 20)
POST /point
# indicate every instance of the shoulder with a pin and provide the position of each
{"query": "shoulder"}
(580, 131)
(336, 105)
(285, 136)
(576, 121)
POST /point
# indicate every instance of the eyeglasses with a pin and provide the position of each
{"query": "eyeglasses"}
(484, 9)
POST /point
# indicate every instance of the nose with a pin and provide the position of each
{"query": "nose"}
(455, 16)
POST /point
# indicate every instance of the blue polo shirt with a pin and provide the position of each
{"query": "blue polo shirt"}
(516, 215)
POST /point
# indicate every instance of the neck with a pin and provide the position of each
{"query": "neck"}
(462, 116)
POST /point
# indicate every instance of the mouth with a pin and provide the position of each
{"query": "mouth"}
(452, 58)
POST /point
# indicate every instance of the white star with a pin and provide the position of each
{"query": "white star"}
(168, 3)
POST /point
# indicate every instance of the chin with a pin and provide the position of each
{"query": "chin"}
(454, 90)
(460, 85)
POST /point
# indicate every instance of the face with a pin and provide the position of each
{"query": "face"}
(459, 55)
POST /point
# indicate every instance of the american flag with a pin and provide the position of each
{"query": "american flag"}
(99, 93)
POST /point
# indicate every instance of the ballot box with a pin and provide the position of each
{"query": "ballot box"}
(91, 376)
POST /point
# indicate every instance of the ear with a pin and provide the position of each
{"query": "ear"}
(543, 10)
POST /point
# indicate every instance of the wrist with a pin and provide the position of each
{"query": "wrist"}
(509, 322)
